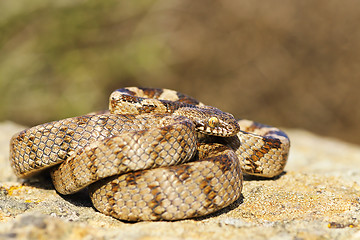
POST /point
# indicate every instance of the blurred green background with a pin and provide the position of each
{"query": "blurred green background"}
(286, 63)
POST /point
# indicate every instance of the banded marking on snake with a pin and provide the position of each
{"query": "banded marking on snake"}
(156, 154)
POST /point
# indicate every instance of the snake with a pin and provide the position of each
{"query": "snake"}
(156, 154)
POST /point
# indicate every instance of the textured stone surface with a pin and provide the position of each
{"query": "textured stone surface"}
(316, 198)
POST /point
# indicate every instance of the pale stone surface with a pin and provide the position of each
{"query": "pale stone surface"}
(316, 198)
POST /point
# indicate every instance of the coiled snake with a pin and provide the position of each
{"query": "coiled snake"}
(156, 155)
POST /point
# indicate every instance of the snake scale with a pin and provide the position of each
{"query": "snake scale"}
(156, 154)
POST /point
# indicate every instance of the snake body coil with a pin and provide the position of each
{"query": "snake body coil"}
(156, 155)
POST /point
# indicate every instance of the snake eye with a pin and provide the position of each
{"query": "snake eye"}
(213, 122)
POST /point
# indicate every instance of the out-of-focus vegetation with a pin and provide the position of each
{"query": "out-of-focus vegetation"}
(284, 63)
(61, 58)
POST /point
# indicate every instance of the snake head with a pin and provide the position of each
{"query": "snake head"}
(211, 120)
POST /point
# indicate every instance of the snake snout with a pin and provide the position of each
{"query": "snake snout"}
(222, 128)
(211, 121)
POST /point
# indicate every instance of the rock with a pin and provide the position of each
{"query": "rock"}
(316, 198)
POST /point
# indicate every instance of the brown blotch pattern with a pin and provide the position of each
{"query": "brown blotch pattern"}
(129, 160)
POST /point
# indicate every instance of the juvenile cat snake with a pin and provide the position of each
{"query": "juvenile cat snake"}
(156, 155)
